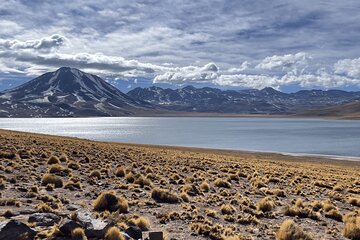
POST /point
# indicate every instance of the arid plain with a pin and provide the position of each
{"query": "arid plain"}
(188, 193)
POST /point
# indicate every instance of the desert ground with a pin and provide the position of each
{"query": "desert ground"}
(187, 193)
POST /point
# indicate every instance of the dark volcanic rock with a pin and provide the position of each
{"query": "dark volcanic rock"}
(13, 229)
(134, 232)
(68, 226)
(44, 219)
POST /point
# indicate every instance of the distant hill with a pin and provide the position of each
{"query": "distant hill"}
(345, 111)
(251, 101)
(68, 92)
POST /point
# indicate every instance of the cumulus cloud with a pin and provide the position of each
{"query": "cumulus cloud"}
(181, 75)
(244, 66)
(247, 81)
(46, 43)
(348, 67)
(284, 62)
(34, 57)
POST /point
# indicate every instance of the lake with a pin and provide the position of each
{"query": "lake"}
(287, 135)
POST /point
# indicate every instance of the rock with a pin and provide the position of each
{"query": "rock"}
(68, 226)
(13, 229)
(94, 228)
(134, 232)
(44, 219)
(156, 236)
(26, 211)
(72, 207)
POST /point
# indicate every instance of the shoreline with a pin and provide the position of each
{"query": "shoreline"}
(298, 157)
(209, 115)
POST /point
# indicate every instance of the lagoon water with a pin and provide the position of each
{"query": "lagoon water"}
(288, 135)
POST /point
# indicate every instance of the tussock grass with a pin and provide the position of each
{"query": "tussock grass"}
(164, 196)
(49, 178)
(291, 231)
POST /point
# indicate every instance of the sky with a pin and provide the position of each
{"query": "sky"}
(230, 44)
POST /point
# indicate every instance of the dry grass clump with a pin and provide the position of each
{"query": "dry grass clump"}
(227, 209)
(222, 183)
(73, 165)
(266, 204)
(49, 178)
(164, 196)
(290, 231)
(53, 160)
(352, 226)
(142, 181)
(8, 213)
(114, 233)
(78, 234)
(354, 201)
(63, 158)
(334, 214)
(120, 172)
(57, 168)
(108, 201)
(204, 186)
(95, 174)
(143, 223)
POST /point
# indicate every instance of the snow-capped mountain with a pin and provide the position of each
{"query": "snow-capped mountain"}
(68, 92)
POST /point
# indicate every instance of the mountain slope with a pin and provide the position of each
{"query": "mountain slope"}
(345, 111)
(251, 101)
(68, 92)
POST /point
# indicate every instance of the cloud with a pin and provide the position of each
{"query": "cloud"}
(247, 81)
(181, 75)
(46, 43)
(9, 27)
(244, 66)
(34, 57)
(284, 62)
(348, 67)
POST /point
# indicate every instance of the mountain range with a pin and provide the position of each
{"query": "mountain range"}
(69, 92)
(252, 101)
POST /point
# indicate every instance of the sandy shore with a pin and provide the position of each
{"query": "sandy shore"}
(210, 193)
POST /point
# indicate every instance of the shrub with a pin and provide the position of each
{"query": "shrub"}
(63, 158)
(95, 174)
(55, 168)
(49, 178)
(108, 201)
(266, 204)
(204, 186)
(290, 231)
(143, 223)
(53, 160)
(114, 233)
(78, 234)
(73, 165)
(185, 197)
(142, 181)
(164, 196)
(222, 183)
(227, 209)
(352, 226)
(120, 172)
(334, 214)
(355, 201)
(72, 186)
